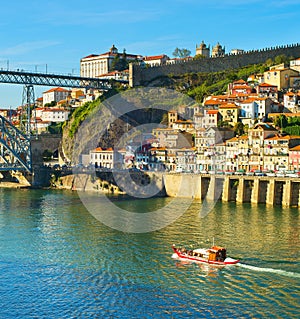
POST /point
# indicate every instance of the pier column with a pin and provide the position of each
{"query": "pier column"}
(270, 199)
(255, 191)
(198, 186)
(211, 188)
(286, 194)
(226, 189)
(240, 191)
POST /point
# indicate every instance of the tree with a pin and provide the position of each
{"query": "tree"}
(239, 128)
(281, 59)
(119, 63)
(199, 57)
(181, 53)
(281, 121)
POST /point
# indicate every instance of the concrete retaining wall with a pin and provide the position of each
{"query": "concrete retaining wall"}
(251, 189)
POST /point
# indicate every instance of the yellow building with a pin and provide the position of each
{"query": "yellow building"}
(230, 113)
(281, 77)
(77, 93)
(172, 117)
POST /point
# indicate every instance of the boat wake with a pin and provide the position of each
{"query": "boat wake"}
(270, 270)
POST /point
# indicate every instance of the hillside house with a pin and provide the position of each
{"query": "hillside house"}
(55, 95)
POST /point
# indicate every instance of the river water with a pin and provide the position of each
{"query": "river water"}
(58, 261)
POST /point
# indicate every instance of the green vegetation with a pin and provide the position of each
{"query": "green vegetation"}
(120, 62)
(199, 85)
(290, 125)
(181, 53)
(53, 103)
(80, 113)
(55, 128)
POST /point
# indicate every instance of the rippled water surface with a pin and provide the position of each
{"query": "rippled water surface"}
(58, 261)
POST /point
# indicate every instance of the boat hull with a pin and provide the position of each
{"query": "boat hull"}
(185, 257)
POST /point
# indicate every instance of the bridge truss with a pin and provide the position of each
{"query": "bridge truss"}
(45, 79)
(15, 148)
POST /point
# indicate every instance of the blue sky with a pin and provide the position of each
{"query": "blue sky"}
(37, 35)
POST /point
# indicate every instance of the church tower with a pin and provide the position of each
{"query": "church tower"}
(218, 51)
(203, 50)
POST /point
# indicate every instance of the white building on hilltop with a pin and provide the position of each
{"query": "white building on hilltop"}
(95, 65)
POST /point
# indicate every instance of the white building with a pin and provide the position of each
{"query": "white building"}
(95, 65)
(39, 125)
(55, 95)
(107, 158)
(291, 101)
(156, 60)
(295, 64)
(256, 108)
(50, 114)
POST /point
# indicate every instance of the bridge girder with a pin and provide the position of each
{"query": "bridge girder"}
(45, 79)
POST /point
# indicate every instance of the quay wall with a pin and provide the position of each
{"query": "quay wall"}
(242, 189)
(139, 183)
(228, 188)
(141, 75)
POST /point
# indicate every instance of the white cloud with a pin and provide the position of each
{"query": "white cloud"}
(26, 47)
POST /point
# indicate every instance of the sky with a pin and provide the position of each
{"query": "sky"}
(54, 35)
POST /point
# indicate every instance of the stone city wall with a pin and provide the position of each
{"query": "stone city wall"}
(139, 75)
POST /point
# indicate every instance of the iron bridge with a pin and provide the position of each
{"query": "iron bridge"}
(15, 146)
(45, 79)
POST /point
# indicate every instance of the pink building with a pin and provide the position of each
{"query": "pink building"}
(294, 158)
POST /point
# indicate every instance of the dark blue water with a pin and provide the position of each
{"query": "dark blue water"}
(58, 261)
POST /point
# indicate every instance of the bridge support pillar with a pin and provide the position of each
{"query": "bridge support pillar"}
(226, 189)
(241, 191)
(287, 194)
(255, 191)
(270, 199)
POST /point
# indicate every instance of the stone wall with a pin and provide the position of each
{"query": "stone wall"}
(139, 75)
(42, 143)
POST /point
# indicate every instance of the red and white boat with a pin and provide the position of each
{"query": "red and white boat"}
(215, 255)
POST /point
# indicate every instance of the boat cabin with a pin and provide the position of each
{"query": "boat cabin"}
(217, 253)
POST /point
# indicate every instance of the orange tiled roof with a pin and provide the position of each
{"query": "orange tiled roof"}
(241, 87)
(154, 57)
(183, 122)
(286, 137)
(213, 102)
(240, 81)
(53, 109)
(295, 148)
(233, 139)
(90, 56)
(212, 112)
(267, 85)
(58, 89)
(99, 149)
(228, 106)
(290, 94)
(252, 99)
